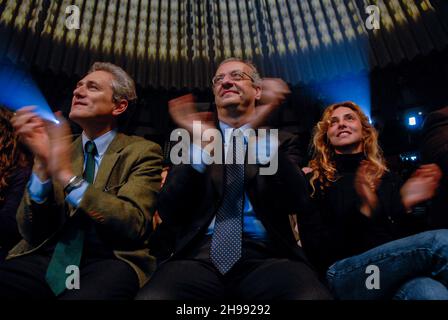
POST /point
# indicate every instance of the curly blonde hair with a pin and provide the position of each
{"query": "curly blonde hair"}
(322, 164)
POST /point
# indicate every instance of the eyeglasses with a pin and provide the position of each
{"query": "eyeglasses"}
(235, 75)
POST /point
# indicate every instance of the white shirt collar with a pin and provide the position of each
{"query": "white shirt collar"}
(102, 142)
(224, 126)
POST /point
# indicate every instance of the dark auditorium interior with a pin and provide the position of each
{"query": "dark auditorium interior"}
(325, 50)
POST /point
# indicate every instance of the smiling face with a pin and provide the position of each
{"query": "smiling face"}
(93, 98)
(235, 88)
(345, 131)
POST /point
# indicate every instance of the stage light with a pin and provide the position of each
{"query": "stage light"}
(95, 40)
(119, 42)
(173, 33)
(355, 89)
(163, 29)
(19, 90)
(142, 26)
(411, 156)
(153, 30)
(414, 119)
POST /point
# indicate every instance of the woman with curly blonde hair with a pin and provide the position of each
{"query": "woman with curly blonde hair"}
(15, 169)
(324, 169)
(358, 213)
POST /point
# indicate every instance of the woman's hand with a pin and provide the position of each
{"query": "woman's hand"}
(421, 186)
(365, 186)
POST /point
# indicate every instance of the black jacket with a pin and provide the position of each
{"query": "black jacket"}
(335, 228)
(434, 149)
(189, 200)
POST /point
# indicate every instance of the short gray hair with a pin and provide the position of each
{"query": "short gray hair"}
(255, 74)
(123, 87)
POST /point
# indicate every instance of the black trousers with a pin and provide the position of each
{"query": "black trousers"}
(259, 275)
(100, 279)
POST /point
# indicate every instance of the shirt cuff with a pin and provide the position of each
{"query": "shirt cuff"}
(39, 190)
(75, 196)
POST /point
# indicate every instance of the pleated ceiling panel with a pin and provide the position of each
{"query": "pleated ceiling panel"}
(178, 43)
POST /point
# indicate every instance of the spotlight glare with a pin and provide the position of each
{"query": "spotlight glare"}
(19, 90)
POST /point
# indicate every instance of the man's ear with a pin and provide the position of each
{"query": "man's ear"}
(257, 92)
(120, 107)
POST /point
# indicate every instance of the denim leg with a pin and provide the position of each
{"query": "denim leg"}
(423, 254)
(422, 288)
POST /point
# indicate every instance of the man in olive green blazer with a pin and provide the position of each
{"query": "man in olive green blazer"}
(109, 208)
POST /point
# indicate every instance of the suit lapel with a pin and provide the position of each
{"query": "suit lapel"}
(217, 170)
(217, 176)
(107, 163)
(110, 157)
(251, 169)
(78, 157)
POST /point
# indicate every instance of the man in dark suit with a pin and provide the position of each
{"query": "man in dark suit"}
(435, 150)
(229, 223)
(86, 213)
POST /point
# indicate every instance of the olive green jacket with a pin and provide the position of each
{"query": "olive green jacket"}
(121, 202)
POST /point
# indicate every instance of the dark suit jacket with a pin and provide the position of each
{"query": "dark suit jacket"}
(189, 200)
(435, 150)
(435, 138)
(121, 203)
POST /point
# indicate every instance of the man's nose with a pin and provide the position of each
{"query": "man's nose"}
(227, 82)
(79, 91)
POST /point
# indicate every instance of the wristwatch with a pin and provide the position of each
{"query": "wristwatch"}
(74, 183)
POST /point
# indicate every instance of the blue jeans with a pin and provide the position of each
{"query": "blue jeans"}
(422, 288)
(394, 264)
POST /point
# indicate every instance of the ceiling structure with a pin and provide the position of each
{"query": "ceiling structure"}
(178, 43)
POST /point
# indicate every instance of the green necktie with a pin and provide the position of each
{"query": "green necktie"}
(89, 172)
(68, 250)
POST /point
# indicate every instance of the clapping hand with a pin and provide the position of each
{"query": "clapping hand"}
(31, 130)
(273, 93)
(421, 186)
(366, 185)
